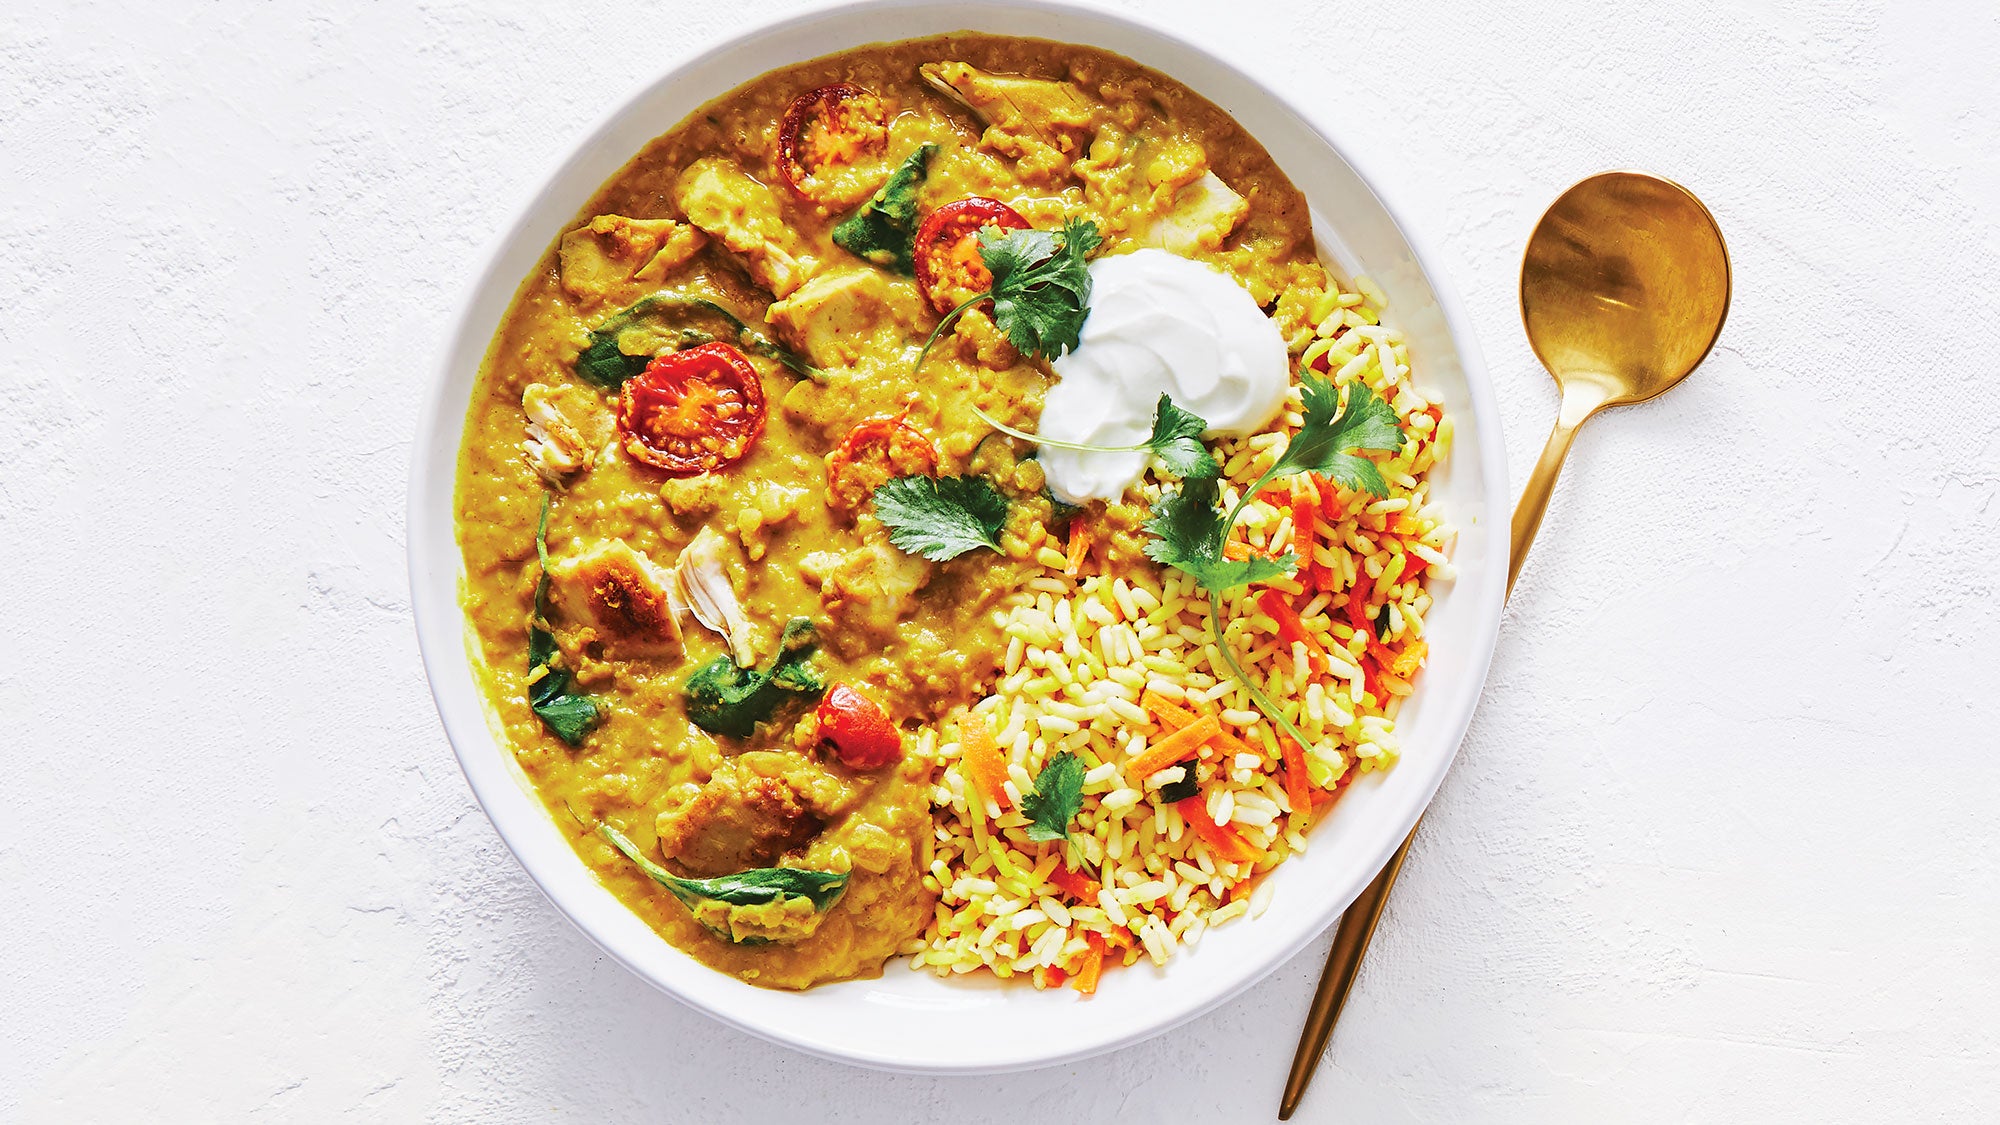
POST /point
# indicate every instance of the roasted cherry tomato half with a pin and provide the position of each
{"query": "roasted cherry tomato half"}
(859, 729)
(832, 144)
(872, 453)
(694, 411)
(949, 268)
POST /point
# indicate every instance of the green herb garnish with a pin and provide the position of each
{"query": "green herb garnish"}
(567, 715)
(664, 320)
(1057, 796)
(1189, 533)
(725, 699)
(1175, 440)
(1041, 287)
(941, 518)
(763, 886)
(1186, 787)
(881, 232)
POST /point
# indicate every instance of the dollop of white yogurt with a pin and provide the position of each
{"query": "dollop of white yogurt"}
(1159, 324)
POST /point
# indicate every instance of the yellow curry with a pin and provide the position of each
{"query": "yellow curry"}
(700, 391)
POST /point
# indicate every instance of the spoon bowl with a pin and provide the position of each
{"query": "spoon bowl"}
(1624, 289)
(1624, 286)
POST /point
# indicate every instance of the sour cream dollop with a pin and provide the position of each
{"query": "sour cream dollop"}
(1159, 324)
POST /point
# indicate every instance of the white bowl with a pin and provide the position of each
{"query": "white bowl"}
(913, 1021)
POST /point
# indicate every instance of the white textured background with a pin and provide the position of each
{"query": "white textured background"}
(1722, 842)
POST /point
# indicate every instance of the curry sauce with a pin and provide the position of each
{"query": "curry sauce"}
(643, 552)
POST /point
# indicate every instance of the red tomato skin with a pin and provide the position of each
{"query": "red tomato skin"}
(905, 449)
(719, 371)
(791, 132)
(861, 733)
(940, 233)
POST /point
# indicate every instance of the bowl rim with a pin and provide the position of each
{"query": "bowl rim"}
(441, 632)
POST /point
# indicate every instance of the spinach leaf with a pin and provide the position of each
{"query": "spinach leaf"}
(761, 886)
(725, 699)
(882, 231)
(664, 319)
(567, 715)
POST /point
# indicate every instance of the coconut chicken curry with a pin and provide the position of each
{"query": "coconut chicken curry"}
(706, 616)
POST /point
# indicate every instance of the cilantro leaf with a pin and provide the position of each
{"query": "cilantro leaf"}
(1057, 797)
(1176, 441)
(881, 232)
(1321, 445)
(1041, 284)
(941, 518)
(1189, 533)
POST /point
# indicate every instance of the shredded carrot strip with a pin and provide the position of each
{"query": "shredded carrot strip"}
(1330, 509)
(1239, 550)
(1085, 980)
(1078, 886)
(1178, 746)
(1357, 602)
(1053, 977)
(983, 765)
(1290, 628)
(1227, 844)
(1405, 663)
(1174, 717)
(1305, 514)
(1298, 784)
(1165, 711)
(1079, 546)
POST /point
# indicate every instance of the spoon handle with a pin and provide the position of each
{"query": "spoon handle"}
(1576, 407)
(1357, 925)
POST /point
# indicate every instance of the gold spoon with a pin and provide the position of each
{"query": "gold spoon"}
(1623, 291)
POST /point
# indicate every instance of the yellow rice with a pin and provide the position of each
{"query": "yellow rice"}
(1083, 653)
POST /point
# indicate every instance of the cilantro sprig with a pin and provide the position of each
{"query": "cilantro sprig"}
(1190, 533)
(941, 518)
(1175, 440)
(1057, 796)
(1041, 287)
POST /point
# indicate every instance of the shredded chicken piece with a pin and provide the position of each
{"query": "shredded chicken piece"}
(1056, 112)
(568, 426)
(745, 217)
(1203, 216)
(607, 258)
(702, 587)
